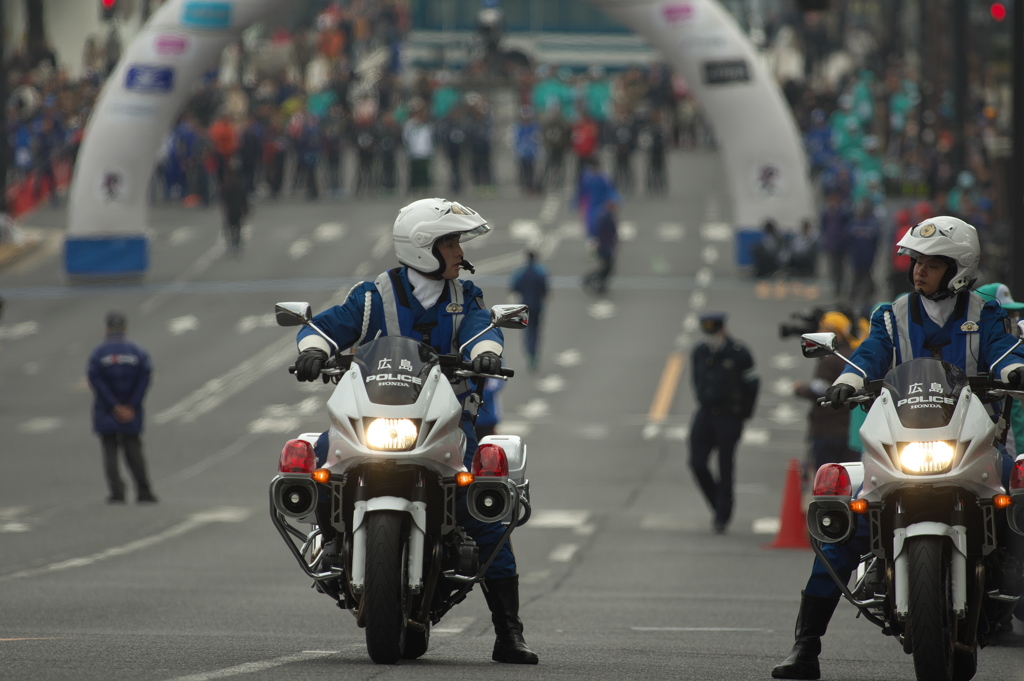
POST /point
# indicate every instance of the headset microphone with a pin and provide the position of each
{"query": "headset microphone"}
(467, 265)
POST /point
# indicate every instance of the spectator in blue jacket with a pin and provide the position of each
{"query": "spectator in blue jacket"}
(862, 247)
(119, 373)
(526, 144)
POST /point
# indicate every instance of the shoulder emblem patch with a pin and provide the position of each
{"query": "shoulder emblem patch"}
(969, 327)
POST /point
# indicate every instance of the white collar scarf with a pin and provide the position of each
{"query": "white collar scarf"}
(426, 290)
(939, 310)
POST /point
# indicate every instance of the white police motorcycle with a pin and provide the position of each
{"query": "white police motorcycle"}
(938, 576)
(396, 558)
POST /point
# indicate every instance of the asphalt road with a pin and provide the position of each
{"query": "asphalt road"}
(622, 576)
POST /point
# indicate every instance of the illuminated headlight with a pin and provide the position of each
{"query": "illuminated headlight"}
(392, 435)
(926, 457)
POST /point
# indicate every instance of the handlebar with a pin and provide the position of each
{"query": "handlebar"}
(984, 387)
(339, 364)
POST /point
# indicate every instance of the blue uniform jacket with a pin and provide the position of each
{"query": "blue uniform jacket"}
(119, 373)
(875, 354)
(344, 323)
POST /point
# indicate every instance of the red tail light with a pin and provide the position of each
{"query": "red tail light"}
(832, 480)
(1017, 476)
(490, 461)
(297, 457)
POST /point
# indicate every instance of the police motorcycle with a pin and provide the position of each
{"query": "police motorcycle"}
(928, 489)
(397, 559)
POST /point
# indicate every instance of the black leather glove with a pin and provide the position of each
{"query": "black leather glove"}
(838, 394)
(486, 363)
(309, 363)
(1015, 379)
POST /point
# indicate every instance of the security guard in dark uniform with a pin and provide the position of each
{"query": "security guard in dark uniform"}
(726, 384)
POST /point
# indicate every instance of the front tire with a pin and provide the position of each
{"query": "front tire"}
(930, 623)
(384, 595)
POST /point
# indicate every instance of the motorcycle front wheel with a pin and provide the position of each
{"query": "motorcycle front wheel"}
(384, 592)
(930, 622)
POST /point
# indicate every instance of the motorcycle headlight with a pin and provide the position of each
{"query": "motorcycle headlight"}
(926, 457)
(391, 435)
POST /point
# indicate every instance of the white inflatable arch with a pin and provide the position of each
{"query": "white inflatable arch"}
(108, 204)
(761, 146)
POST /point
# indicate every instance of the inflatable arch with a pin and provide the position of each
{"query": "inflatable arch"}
(761, 146)
(109, 199)
(108, 203)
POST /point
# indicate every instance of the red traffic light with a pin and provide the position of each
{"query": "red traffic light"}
(108, 4)
(998, 11)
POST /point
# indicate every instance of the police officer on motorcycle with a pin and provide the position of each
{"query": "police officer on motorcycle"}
(424, 298)
(942, 318)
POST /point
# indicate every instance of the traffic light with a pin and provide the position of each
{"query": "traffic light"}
(108, 8)
(997, 10)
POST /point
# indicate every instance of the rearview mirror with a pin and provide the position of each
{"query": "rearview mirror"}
(510, 316)
(1020, 327)
(292, 314)
(817, 344)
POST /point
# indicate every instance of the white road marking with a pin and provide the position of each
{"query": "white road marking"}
(705, 277)
(20, 330)
(184, 324)
(284, 418)
(535, 408)
(783, 387)
(709, 255)
(226, 514)
(678, 433)
(785, 414)
(524, 230)
(563, 553)
(716, 231)
(755, 436)
(766, 526)
(329, 231)
(181, 235)
(257, 321)
(217, 390)
(604, 309)
(551, 384)
(650, 431)
(710, 629)
(556, 518)
(452, 625)
(569, 358)
(9, 521)
(549, 210)
(690, 323)
(783, 361)
(627, 231)
(299, 248)
(254, 667)
(519, 428)
(43, 424)
(698, 299)
(671, 231)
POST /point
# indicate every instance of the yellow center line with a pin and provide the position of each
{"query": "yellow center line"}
(666, 388)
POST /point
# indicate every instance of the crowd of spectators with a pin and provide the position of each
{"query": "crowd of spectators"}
(882, 156)
(338, 116)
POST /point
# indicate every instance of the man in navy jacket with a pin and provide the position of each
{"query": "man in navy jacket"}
(119, 372)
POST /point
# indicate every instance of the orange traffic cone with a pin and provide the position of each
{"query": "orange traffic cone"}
(792, 532)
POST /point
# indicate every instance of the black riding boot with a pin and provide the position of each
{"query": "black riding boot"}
(503, 600)
(811, 622)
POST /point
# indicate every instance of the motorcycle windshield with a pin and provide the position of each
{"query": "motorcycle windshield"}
(394, 369)
(925, 391)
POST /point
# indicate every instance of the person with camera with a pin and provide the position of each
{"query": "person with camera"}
(828, 429)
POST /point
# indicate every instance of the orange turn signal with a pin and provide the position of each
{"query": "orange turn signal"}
(322, 475)
(463, 478)
(859, 506)
(1002, 500)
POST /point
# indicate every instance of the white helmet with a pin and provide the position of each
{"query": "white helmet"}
(420, 224)
(949, 238)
